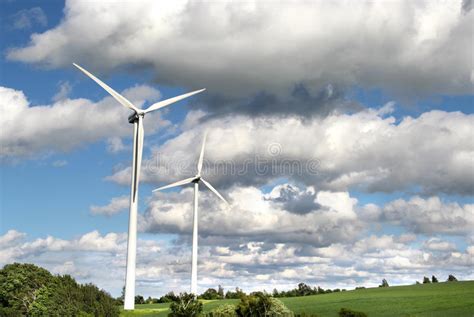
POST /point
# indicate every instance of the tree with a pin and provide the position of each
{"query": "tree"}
(234, 295)
(384, 283)
(139, 299)
(426, 280)
(434, 279)
(168, 298)
(186, 306)
(210, 293)
(304, 290)
(220, 291)
(28, 290)
(451, 278)
(261, 304)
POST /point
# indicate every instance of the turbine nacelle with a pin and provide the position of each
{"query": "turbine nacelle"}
(134, 116)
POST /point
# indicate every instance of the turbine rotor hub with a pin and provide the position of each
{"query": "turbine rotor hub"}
(134, 117)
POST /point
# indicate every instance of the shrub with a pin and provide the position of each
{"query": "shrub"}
(223, 311)
(345, 312)
(186, 306)
(262, 305)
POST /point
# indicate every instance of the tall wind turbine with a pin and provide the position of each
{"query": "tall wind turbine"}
(137, 119)
(196, 179)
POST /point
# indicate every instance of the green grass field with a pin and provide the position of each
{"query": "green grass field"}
(442, 299)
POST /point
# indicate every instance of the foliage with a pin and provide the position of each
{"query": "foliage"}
(234, 295)
(168, 298)
(226, 310)
(26, 289)
(139, 299)
(451, 278)
(220, 291)
(426, 280)
(384, 283)
(186, 306)
(261, 305)
(210, 293)
(344, 312)
(434, 279)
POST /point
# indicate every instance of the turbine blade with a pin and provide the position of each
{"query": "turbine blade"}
(169, 101)
(214, 190)
(179, 183)
(121, 99)
(201, 156)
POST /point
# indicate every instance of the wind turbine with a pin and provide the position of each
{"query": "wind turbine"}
(196, 179)
(137, 119)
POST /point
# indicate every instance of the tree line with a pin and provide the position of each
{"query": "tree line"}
(302, 289)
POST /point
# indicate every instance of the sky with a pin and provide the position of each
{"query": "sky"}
(340, 132)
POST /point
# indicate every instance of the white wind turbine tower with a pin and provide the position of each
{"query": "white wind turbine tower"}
(196, 179)
(137, 119)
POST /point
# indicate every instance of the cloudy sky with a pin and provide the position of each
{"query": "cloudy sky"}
(340, 132)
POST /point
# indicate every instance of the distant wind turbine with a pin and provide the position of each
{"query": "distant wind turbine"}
(137, 119)
(196, 179)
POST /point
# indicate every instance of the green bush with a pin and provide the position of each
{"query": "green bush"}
(227, 310)
(28, 290)
(345, 312)
(262, 305)
(185, 306)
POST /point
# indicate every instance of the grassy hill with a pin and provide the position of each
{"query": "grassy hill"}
(441, 299)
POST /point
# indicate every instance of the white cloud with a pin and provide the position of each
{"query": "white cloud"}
(116, 205)
(29, 130)
(252, 216)
(115, 145)
(405, 47)
(436, 244)
(430, 216)
(363, 151)
(64, 90)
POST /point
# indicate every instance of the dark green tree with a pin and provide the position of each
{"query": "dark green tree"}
(186, 306)
(384, 283)
(210, 293)
(426, 280)
(434, 279)
(139, 299)
(452, 278)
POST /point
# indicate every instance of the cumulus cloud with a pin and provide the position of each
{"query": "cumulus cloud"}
(116, 205)
(29, 130)
(255, 218)
(367, 151)
(430, 216)
(268, 47)
(293, 199)
(91, 257)
(115, 145)
(64, 89)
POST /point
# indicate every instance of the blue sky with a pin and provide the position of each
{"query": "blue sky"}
(49, 184)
